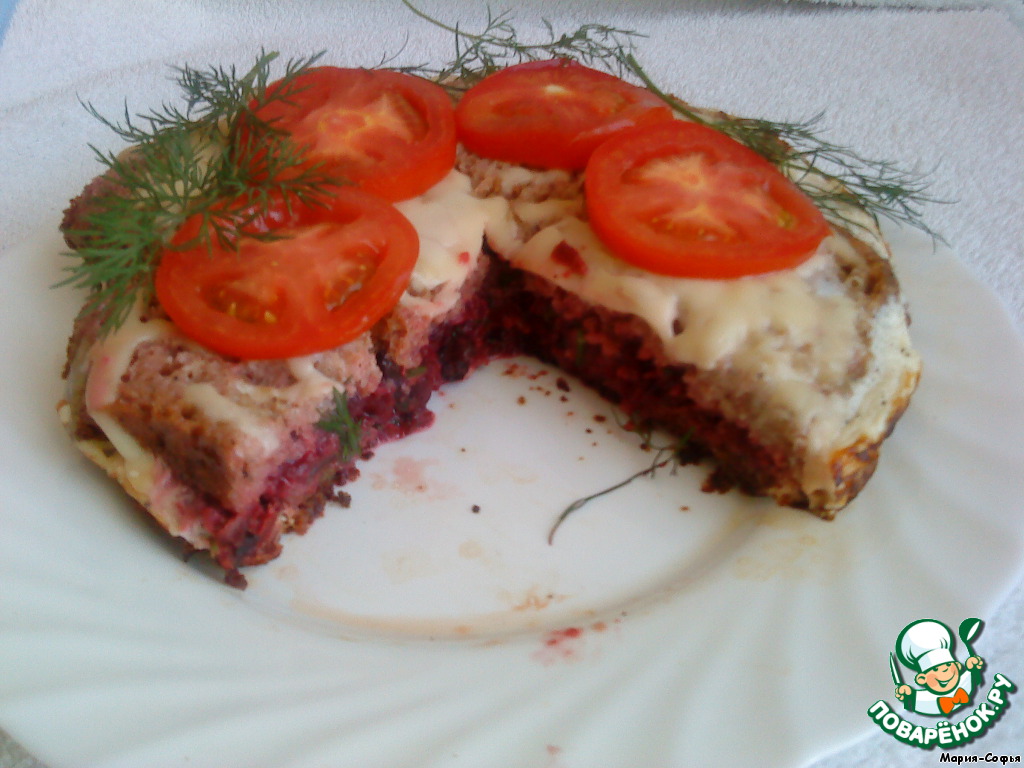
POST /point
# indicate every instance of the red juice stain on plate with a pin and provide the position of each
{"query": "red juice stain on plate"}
(554, 757)
(560, 645)
(411, 474)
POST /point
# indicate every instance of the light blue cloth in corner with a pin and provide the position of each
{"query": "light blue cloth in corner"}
(1013, 8)
(6, 11)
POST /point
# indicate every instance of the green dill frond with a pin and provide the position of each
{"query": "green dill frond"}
(339, 421)
(664, 455)
(838, 179)
(498, 46)
(211, 157)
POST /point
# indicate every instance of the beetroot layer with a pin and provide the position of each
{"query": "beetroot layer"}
(618, 356)
(523, 314)
(395, 409)
(511, 313)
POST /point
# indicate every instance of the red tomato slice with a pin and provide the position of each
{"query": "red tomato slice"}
(551, 114)
(392, 134)
(683, 199)
(332, 273)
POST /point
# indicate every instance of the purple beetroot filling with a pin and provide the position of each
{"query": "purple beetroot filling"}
(514, 313)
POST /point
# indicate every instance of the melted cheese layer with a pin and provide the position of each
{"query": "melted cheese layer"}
(700, 321)
(797, 329)
(450, 222)
(109, 359)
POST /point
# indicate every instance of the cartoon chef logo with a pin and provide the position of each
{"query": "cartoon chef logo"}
(927, 647)
(941, 685)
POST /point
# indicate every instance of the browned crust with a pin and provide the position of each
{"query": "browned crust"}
(854, 466)
(74, 224)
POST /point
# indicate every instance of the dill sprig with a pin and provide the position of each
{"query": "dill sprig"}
(213, 157)
(498, 46)
(665, 454)
(837, 178)
(340, 422)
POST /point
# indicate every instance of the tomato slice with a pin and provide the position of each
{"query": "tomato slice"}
(391, 133)
(327, 276)
(551, 114)
(683, 199)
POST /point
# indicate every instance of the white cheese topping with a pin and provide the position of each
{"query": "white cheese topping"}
(450, 222)
(109, 359)
(219, 408)
(796, 328)
(310, 382)
(701, 321)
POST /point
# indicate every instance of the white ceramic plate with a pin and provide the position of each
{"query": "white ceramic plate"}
(663, 626)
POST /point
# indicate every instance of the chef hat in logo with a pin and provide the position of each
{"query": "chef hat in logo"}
(925, 644)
